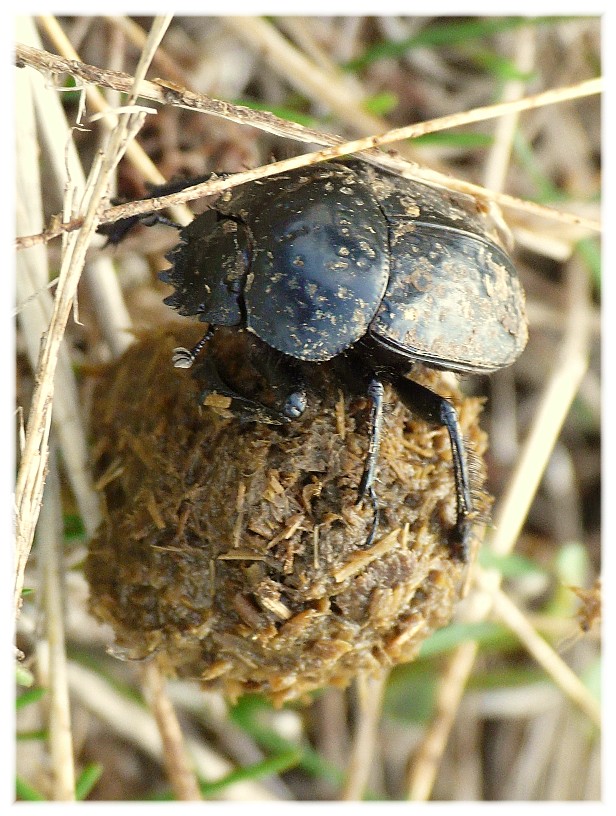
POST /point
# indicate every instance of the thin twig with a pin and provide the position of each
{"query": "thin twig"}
(179, 771)
(168, 92)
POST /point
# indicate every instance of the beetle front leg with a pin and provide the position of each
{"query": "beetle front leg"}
(116, 231)
(280, 373)
(284, 376)
(241, 406)
(440, 411)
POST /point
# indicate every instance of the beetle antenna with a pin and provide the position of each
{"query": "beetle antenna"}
(184, 358)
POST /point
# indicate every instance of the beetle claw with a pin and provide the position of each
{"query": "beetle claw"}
(375, 508)
(459, 541)
(295, 405)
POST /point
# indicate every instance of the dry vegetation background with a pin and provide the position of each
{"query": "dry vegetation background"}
(503, 703)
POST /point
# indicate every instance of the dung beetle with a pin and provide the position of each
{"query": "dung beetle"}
(343, 260)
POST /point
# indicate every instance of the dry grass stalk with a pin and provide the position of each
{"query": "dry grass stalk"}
(422, 774)
(35, 304)
(50, 541)
(553, 408)
(325, 87)
(135, 724)
(556, 399)
(161, 91)
(135, 34)
(177, 763)
(135, 153)
(540, 649)
(425, 763)
(370, 692)
(114, 320)
(499, 156)
(509, 518)
(33, 274)
(31, 475)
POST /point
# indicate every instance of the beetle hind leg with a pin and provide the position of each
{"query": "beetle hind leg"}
(440, 411)
(370, 491)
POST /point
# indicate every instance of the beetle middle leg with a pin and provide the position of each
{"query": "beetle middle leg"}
(362, 379)
(375, 393)
(440, 411)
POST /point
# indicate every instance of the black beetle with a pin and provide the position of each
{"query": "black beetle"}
(343, 260)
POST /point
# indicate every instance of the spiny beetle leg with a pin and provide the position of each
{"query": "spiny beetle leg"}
(375, 519)
(375, 395)
(241, 406)
(117, 231)
(294, 405)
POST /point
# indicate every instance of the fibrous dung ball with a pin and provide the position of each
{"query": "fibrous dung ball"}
(236, 551)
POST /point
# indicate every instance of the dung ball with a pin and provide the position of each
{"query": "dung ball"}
(235, 551)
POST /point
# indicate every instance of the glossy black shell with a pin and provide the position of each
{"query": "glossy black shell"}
(315, 259)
